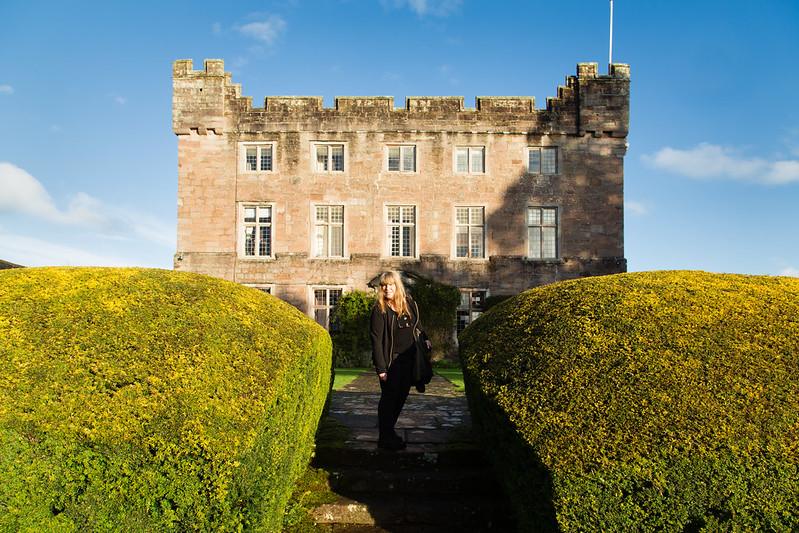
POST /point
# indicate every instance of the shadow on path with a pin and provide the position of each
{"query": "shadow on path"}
(441, 482)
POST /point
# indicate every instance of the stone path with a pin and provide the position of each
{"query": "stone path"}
(439, 415)
(441, 482)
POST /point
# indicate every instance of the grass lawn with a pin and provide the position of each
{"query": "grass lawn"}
(453, 375)
(345, 375)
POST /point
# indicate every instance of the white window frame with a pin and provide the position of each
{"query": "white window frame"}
(455, 225)
(527, 227)
(470, 309)
(312, 307)
(387, 235)
(243, 146)
(268, 288)
(345, 248)
(241, 225)
(345, 155)
(540, 150)
(403, 149)
(469, 158)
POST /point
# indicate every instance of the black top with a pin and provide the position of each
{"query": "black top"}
(382, 332)
(403, 331)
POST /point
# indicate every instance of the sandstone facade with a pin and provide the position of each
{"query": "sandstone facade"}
(290, 140)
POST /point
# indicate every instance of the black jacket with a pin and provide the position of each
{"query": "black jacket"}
(382, 334)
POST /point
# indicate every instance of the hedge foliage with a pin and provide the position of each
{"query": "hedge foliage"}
(352, 346)
(437, 303)
(643, 401)
(149, 400)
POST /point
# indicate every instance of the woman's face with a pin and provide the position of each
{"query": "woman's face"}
(389, 290)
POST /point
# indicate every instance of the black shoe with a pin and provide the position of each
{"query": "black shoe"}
(391, 444)
(420, 387)
(391, 441)
(399, 440)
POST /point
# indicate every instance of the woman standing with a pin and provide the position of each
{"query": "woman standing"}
(396, 332)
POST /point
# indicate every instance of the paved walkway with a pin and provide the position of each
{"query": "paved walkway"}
(429, 420)
(440, 483)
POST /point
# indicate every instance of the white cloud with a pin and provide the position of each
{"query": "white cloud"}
(266, 31)
(23, 193)
(790, 271)
(30, 251)
(636, 208)
(713, 161)
(6, 89)
(121, 100)
(784, 172)
(437, 8)
(216, 28)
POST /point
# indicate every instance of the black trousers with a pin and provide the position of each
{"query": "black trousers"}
(394, 391)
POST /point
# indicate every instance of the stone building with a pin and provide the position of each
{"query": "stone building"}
(306, 201)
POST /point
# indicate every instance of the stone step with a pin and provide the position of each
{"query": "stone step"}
(408, 528)
(432, 481)
(414, 456)
(389, 511)
(397, 528)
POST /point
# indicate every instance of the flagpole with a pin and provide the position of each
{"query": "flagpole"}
(610, 47)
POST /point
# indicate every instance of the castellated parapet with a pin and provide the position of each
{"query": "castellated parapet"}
(207, 99)
(581, 133)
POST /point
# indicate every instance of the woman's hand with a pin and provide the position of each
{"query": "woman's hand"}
(429, 345)
(383, 376)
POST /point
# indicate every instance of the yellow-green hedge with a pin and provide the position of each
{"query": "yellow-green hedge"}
(149, 400)
(643, 401)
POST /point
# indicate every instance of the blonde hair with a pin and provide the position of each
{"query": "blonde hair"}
(400, 303)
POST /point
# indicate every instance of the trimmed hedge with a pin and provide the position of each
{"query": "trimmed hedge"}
(149, 400)
(643, 401)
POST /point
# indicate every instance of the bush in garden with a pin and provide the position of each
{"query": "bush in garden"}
(149, 400)
(350, 333)
(643, 401)
(438, 303)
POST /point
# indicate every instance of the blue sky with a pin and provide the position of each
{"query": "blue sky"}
(88, 161)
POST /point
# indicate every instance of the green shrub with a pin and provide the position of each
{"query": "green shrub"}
(495, 299)
(149, 400)
(352, 346)
(645, 401)
(437, 305)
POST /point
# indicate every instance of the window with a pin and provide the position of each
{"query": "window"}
(542, 160)
(402, 158)
(324, 300)
(470, 159)
(329, 231)
(329, 157)
(263, 288)
(542, 232)
(258, 157)
(401, 226)
(258, 231)
(471, 306)
(469, 232)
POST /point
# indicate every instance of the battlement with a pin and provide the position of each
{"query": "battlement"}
(588, 103)
(586, 71)
(505, 104)
(379, 105)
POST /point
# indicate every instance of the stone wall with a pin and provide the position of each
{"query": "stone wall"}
(587, 122)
